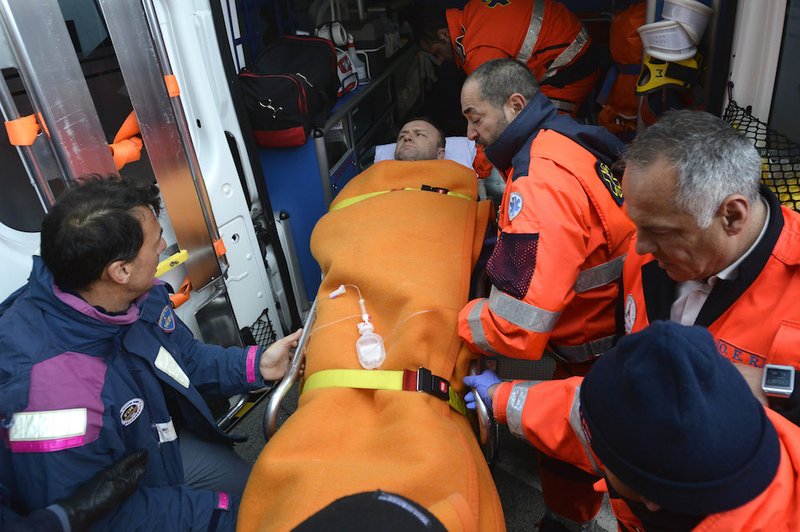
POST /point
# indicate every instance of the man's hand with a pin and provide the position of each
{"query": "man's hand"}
(275, 359)
(484, 384)
(105, 491)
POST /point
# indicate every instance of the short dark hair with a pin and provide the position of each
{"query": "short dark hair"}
(439, 130)
(427, 19)
(498, 79)
(92, 225)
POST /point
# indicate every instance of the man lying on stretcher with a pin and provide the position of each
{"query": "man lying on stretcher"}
(419, 140)
(396, 249)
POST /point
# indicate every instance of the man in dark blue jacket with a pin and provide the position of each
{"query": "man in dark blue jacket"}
(97, 365)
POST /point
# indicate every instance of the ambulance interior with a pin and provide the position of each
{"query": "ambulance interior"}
(245, 213)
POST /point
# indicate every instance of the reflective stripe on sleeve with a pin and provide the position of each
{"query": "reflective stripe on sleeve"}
(46, 431)
(476, 329)
(580, 431)
(600, 275)
(521, 314)
(532, 35)
(516, 402)
(569, 53)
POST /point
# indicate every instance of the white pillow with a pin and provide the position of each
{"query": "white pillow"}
(458, 149)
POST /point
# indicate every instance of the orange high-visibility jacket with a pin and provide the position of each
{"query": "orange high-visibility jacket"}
(543, 34)
(755, 318)
(556, 267)
(547, 415)
(407, 234)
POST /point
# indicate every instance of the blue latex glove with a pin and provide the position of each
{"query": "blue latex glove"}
(481, 384)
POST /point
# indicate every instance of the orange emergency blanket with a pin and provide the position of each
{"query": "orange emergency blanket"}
(411, 253)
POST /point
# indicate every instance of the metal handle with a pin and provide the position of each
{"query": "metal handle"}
(277, 396)
(487, 429)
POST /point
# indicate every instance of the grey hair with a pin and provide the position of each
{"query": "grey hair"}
(498, 79)
(711, 158)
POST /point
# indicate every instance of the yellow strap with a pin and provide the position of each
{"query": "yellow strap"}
(171, 262)
(361, 197)
(374, 379)
(370, 379)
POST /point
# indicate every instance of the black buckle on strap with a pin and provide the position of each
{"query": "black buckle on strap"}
(438, 190)
(423, 380)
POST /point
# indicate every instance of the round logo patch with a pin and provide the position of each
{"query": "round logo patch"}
(630, 313)
(130, 411)
(167, 320)
(514, 205)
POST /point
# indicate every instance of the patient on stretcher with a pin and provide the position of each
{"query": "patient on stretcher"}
(403, 238)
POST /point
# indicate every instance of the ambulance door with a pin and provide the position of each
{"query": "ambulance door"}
(74, 70)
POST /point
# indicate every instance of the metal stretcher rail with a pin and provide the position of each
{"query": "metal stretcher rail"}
(292, 374)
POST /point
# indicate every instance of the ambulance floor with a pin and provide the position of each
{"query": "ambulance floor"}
(514, 472)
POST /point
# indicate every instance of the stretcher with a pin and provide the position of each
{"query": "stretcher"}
(405, 236)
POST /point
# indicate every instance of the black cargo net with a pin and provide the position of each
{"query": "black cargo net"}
(263, 331)
(780, 156)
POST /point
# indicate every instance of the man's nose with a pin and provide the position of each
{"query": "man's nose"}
(472, 133)
(643, 245)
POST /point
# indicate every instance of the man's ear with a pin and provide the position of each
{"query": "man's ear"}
(735, 211)
(118, 271)
(440, 153)
(515, 104)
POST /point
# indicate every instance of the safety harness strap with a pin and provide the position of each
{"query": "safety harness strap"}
(532, 35)
(569, 53)
(583, 352)
(424, 188)
(420, 380)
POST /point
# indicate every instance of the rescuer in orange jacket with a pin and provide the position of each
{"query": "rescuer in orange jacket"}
(556, 266)
(714, 249)
(673, 428)
(543, 34)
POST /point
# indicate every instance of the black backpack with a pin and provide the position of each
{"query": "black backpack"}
(290, 90)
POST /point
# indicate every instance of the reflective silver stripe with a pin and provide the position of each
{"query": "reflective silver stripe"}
(583, 352)
(516, 402)
(577, 427)
(563, 105)
(533, 32)
(476, 329)
(167, 363)
(521, 314)
(569, 53)
(597, 276)
(48, 425)
(166, 431)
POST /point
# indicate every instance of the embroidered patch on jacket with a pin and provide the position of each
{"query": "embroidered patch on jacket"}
(167, 320)
(494, 3)
(630, 313)
(130, 411)
(739, 355)
(514, 205)
(610, 181)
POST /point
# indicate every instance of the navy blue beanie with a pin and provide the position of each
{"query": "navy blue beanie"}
(677, 423)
